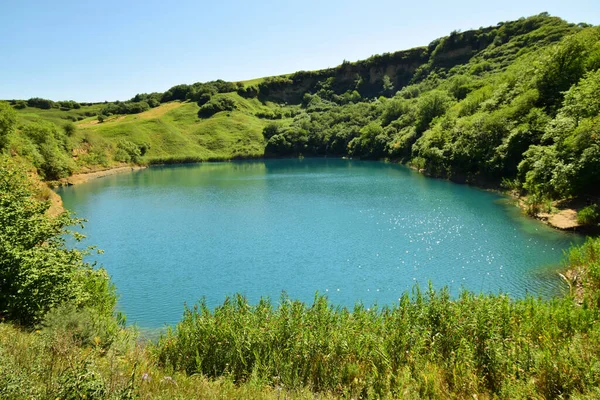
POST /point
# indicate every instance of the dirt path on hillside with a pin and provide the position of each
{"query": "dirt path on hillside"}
(151, 113)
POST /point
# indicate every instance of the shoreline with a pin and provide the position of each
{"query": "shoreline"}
(565, 219)
(84, 177)
(56, 203)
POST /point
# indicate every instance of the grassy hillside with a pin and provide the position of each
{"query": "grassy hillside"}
(481, 106)
(170, 132)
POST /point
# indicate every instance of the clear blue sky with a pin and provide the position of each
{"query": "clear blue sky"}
(111, 50)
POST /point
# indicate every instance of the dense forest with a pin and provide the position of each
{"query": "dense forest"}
(514, 106)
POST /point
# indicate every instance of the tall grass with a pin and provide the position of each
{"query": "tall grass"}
(52, 364)
(584, 273)
(427, 344)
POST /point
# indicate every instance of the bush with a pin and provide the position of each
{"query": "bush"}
(203, 99)
(53, 146)
(84, 326)
(589, 215)
(271, 130)
(8, 120)
(216, 105)
(57, 164)
(128, 152)
(70, 129)
(127, 107)
(20, 104)
(40, 103)
(484, 345)
(248, 92)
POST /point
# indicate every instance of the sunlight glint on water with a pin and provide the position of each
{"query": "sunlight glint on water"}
(354, 230)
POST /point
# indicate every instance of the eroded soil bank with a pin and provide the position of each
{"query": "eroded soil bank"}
(56, 206)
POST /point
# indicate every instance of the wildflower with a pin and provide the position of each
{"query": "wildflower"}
(168, 379)
(145, 377)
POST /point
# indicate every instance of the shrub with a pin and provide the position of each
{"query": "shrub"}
(70, 129)
(128, 152)
(8, 120)
(216, 105)
(84, 326)
(589, 215)
(20, 104)
(248, 92)
(271, 130)
(203, 99)
(57, 164)
(486, 345)
(40, 103)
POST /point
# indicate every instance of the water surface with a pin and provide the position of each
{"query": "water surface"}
(353, 230)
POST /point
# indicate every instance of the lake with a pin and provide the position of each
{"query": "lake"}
(352, 230)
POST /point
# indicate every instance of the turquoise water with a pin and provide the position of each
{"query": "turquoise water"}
(353, 230)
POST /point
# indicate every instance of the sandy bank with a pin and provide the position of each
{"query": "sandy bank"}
(87, 176)
(565, 219)
(56, 206)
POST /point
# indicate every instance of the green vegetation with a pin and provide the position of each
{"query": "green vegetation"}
(589, 215)
(512, 103)
(515, 104)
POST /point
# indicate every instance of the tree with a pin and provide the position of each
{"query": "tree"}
(37, 271)
(388, 86)
(40, 103)
(8, 119)
(70, 128)
(431, 105)
(565, 65)
(216, 105)
(20, 104)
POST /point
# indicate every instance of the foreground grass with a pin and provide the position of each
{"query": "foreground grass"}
(427, 345)
(53, 364)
